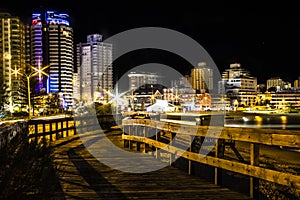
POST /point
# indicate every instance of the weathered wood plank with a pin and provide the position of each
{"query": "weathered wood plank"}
(84, 177)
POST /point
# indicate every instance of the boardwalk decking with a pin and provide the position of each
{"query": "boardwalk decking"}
(82, 176)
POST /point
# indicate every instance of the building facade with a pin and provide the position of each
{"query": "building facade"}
(52, 44)
(238, 85)
(12, 64)
(275, 82)
(138, 79)
(202, 77)
(94, 70)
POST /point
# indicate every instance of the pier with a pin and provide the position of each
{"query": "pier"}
(81, 175)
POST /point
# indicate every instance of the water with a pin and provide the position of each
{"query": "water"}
(242, 120)
(274, 121)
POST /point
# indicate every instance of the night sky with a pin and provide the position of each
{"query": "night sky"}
(265, 39)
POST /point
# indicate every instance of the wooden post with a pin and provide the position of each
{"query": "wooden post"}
(50, 129)
(146, 146)
(36, 131)
(130, 133)
(138, 146)
(254, 160)
(44, 130)
(61, 127)
(190, 162)
(123, 133)
(157, 136)
(126, 142)
(56, 130)
(67, 126)
(220, 148)
(172, 156)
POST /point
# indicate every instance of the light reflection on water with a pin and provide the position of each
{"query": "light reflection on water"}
(264, 121)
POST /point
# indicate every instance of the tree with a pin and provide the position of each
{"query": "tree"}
(272, 89)
(3, 96)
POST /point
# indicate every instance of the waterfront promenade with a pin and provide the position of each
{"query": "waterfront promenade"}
(81, 175)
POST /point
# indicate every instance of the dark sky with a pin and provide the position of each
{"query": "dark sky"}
(264, 38)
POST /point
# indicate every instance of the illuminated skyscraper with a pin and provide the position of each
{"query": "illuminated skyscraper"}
(137, 79)
(238, 84)
(275, 82)
(94, 69)
(12, 54)
(202, 77)
(52, 44)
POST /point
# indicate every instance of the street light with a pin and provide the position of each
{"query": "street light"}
(36, 71)
(11, 72)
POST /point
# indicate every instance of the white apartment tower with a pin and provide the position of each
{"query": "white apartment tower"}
(138, 79)
(94, 70)
(52, 44)
(238, 85)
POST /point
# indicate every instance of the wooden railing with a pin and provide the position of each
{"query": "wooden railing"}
(53, 129)
(137, 131)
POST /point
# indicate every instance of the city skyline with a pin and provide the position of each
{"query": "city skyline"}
(261, 39)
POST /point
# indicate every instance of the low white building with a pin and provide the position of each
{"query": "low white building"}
(161, 106)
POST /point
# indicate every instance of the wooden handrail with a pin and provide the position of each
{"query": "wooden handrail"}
(250, 170)
(288, 138)
(256, 137)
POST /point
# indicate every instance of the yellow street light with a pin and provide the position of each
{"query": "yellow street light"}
(36, 71)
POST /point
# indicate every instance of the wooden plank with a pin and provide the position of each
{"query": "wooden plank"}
(84, 177)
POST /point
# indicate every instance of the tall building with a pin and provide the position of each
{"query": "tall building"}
(94, 69)
(52, 44)
(296, 83)
(137, 79)
(12, 64)
(275, 82)
(238, 85)
(202, 77)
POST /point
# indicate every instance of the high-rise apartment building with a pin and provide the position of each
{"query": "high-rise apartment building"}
(138, 79)
(94, 70)
(52, 44)
(296, 83)
(238, 85)
(12, 63)
(238, 79)
(202, 77)
(275, 82)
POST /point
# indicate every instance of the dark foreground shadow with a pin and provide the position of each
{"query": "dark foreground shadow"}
(96, 181)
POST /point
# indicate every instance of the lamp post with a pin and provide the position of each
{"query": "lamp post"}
(36, 71)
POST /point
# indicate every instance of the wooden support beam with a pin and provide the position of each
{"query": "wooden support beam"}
(50, 129)
(220, 150)
(36, 131)
(189, 160)
(254, 161)
(236, 152)
(157, 136)
(44, 129)
(67, 126)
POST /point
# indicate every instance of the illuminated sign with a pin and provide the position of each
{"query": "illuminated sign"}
(54, 18)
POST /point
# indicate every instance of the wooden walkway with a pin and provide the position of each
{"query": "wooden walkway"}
(83, 177)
